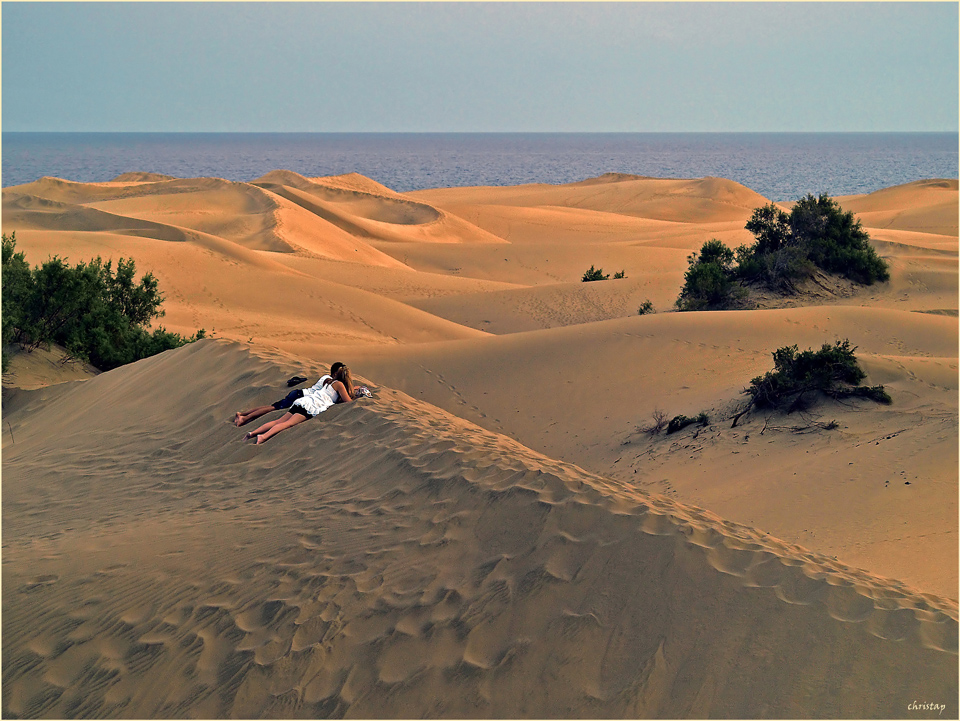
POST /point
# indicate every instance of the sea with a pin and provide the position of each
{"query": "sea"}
(779, 166)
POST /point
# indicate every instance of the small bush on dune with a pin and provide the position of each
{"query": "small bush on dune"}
(594, 274)
(621, 274)
(832, 371)
(680, 422)
(646, 308)
(97, 313)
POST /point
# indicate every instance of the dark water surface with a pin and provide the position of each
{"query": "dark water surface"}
(779, 166)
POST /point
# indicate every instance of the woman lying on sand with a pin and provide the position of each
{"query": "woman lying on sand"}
(294, 395)
(327, 392)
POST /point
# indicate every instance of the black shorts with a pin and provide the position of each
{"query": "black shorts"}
(288, 401)
(301, 410)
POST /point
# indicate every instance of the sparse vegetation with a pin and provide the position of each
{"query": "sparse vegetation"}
(680, 422)
(659, 423)
(96, 313)
(646, 308)
(594, 274)
(597, 274)
(789, 247)
(799, 376)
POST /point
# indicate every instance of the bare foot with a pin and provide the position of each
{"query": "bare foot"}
(236, 420)
(261, 439)
(247, 436)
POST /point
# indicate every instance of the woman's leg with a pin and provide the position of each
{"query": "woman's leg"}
(270, 424)
(282, 426)
(247, 416)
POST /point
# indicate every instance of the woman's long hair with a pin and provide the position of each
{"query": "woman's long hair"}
(343, 375)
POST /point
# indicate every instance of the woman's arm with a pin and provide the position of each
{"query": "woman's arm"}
(342, 392)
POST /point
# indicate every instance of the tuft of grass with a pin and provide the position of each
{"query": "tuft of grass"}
(621, 274)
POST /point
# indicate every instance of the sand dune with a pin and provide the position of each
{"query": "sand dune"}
(396, 561)
(686, 201)
(493, 534)
(254, 297)
(927, 206)
(141, 177)
(364, 210)
(236, 213)
(579, 393)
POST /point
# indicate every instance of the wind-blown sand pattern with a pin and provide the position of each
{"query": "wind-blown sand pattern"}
(491, 535)
(400, 561)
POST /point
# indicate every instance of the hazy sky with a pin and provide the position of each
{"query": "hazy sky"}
(410, 67)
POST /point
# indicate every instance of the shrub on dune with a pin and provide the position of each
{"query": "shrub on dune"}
(817, 233)
(594, 274)
(96, 313)
(678, 423)
(798, 376)
(789, 248)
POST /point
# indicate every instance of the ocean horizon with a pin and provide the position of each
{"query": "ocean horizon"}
(779, 166)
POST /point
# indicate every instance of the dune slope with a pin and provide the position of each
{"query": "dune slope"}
(682, 200)
(391, 560)
(928, 206)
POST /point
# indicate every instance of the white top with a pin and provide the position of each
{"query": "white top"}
(316, 386)
(318, 397)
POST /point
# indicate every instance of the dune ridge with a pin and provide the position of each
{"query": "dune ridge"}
(370, 210)
(141, 177)
(397, 561)
(688, 200)
(927, 206)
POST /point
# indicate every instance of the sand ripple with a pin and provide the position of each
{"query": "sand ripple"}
(390, 560)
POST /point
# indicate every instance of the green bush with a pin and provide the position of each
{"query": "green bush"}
(835, 241)
(17, 286)
(646, 308)
(789, 247)
(817, 233)
(778, 270)
(621, 274)
(594, 274)
(97, 313)
(833, 371)
(771, 227)
(709, 282)
(680, 422)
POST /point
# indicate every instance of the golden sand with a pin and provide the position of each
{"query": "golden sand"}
(492, 534)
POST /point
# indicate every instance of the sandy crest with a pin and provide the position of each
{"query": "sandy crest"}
(396, 561)
(927, 206)
(688, 201)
